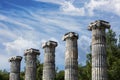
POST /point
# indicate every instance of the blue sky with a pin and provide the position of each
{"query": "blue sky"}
(28, 23)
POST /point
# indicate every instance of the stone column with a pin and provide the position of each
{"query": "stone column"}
(30, 58)
(15, 68)
(49, 60)
(71, 56)
(99, 65)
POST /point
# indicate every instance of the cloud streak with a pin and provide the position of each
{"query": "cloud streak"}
(18, 46)
(88, 8)
(104, 5)
(60, 2)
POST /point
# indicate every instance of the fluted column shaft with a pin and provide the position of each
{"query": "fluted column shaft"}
(31, 57)
(99, 63)
(71, 56)
(15, 68)
(49, 60)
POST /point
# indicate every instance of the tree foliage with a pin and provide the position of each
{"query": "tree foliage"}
(113, 55)
(85, 71)
(39, 70)
(4, 75)
(60, 75)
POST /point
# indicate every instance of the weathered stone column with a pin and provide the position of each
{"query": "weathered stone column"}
(99, 65)
(49, 60)
(71, 56)
(15, 67)
(31, 57)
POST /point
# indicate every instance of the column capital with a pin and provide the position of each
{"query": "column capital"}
(70, 35)
(31, 51)
(49, 43)
(19, 58)
(100, 24)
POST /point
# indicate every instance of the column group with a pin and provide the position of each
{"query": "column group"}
(99, 63)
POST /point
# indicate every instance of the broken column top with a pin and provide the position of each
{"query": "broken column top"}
(19, 58)
(49, 43)
(31, 51)
(70, 35)
(99, 24)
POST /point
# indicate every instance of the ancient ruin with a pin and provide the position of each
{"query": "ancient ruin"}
(15, 67)
(30, 58)
(71, 56)
(99, 65)
(49, 60)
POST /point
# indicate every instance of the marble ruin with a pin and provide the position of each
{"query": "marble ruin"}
(49, 60)
(99, 64)
(30, 58)
(71, 56)
(15, 63)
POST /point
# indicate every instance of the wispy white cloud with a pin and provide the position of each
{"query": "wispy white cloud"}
(103, 5)
(14, 21)
(88, 8)
(67, 7)
(6, 33)
(60, 2)
(70, 9)
(84, 43)
(4, 62)
(18, 46)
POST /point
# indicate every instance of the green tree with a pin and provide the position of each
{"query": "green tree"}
(85, 71)
(81, 72)
(88, 66)
(4, 75)
(22, 75)
(60, 75)
(113, 55)
(39, 70)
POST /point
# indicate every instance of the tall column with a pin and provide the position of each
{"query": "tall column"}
(71, 56)
(31, 57)
(15, 67)
(99, 65)
(49, 60)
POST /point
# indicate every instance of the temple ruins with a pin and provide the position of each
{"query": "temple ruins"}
(99, 64)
